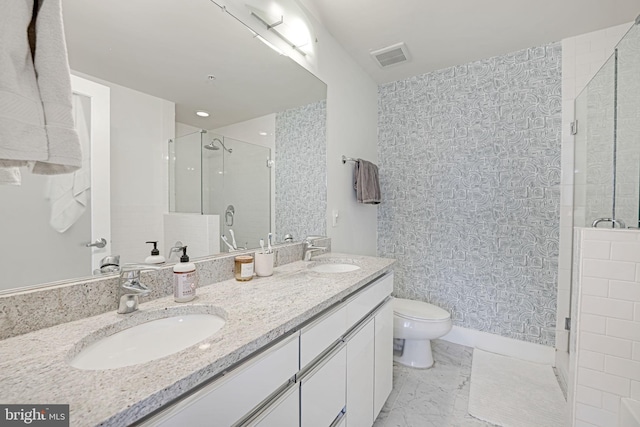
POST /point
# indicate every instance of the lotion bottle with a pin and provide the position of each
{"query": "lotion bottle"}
(184, 279)
(155, 257)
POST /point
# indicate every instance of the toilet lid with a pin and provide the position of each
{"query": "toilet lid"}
(418, 310)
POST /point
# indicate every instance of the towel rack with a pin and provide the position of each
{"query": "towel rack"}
(346, 159)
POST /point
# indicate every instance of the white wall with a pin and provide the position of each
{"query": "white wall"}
(582, 57)
(141, 126)
(352, 130)
(606, 355)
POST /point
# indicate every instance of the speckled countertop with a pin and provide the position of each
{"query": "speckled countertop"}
(34, 368)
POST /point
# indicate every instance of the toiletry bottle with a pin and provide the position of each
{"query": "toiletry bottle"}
(155, 257)
(184, 279)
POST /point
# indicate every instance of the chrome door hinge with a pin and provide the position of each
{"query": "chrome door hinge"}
(574, 127)
(567, 323)
(270, 163)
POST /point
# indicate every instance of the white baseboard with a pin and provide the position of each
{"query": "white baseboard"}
(502, 345)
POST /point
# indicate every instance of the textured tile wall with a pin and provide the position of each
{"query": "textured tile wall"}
(470, 173)
(301, 171)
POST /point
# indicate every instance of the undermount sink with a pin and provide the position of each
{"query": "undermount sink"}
(146, 341)
(333, 266)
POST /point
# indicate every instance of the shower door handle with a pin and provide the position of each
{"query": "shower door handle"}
(619, 222)
(228, 215)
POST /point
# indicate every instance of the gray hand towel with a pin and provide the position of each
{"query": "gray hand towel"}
(366, 183)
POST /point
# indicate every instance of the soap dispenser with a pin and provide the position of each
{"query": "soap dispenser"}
(184, 279)
(155, 257)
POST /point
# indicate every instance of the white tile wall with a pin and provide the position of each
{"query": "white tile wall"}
(200, 233)
(582, 57)
(606, 324)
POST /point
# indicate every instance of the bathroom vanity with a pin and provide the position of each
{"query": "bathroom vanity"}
(299, 348)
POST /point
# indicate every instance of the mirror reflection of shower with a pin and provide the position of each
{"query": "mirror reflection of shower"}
(212, 146)
(205, 178)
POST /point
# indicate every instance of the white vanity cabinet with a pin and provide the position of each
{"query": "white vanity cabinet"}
(230, 398)
(335, 371)
(367, 333)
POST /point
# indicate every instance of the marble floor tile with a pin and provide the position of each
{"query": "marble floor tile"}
(436, 397)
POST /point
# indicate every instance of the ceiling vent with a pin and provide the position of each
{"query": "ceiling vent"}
(391, 55)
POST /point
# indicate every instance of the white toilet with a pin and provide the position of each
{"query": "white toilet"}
(417, 323)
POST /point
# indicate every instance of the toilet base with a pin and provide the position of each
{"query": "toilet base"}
(416, 354)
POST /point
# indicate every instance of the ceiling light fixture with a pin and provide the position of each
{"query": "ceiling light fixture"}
(271, 45)
(262, 133)
(282, 28)
(202, 113)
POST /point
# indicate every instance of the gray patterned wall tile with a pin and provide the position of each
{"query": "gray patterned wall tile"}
(301, 177)
(470, 173)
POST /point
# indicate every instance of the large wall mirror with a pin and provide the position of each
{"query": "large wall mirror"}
(170, 174)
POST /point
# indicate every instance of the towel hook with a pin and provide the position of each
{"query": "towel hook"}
(346, 159)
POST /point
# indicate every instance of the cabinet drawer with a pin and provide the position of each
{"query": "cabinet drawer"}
(323, 390)
(368, 299)
(284, 411)
(320, 334)
(231, 397)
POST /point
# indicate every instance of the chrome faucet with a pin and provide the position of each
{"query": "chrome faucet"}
(131, 288)
(175, 249)
(309, 248)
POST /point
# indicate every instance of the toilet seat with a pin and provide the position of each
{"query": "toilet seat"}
(419, 311)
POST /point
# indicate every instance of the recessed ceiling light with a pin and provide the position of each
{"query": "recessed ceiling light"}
(262, 133)
(202, 113)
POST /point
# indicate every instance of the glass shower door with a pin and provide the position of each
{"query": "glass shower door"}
(627, 173)
(185, 171)
(242, 197)
(594, 153)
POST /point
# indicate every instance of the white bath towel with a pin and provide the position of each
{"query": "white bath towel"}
(10, 176)
(68, 194)
(35, 91)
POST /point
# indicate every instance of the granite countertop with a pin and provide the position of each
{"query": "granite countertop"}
(34, 368)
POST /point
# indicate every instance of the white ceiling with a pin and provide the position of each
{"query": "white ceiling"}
(443, 33)
(167, 48)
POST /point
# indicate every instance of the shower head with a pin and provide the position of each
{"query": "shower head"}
(212, 146)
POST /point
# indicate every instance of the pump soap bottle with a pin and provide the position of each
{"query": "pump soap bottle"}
(184, 279)
(155, 257)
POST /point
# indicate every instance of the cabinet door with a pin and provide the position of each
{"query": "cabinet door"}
(323, 390)
(284, 411)
(360, 371)
(383, 356)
